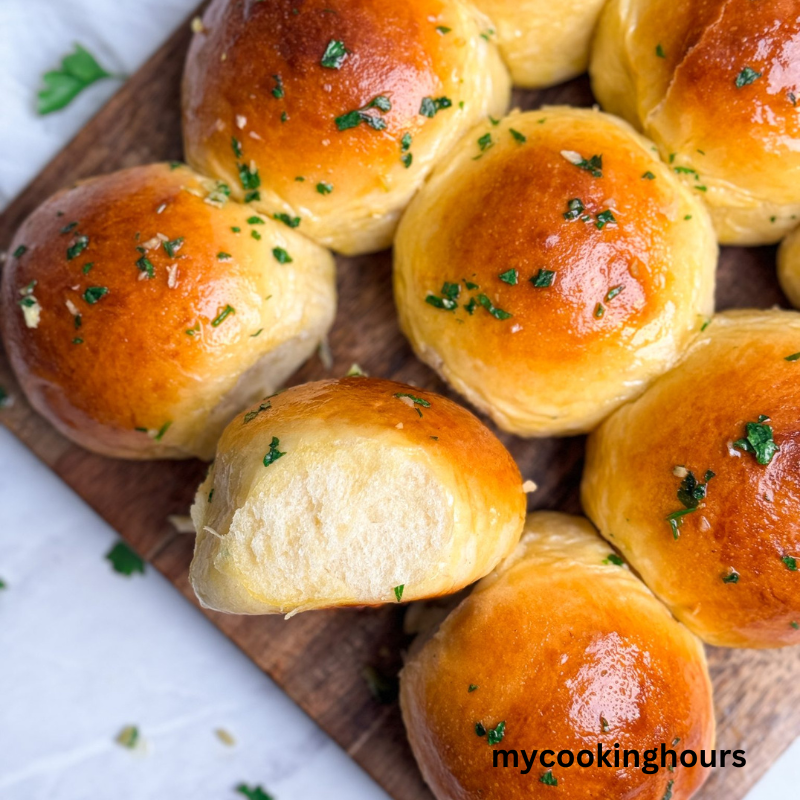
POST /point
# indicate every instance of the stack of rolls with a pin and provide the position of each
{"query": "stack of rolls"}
(556, 267)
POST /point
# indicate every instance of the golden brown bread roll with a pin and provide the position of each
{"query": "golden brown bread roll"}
(352, 492)
(716, 85)
(543, 42)
(789, 267)
(141, 310)
(698, 482)
(551, 267)
(559, 648)
(332, 114)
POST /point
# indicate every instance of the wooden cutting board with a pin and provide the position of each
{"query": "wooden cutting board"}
(319, 658)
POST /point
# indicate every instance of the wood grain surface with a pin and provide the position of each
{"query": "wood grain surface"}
(319, 658)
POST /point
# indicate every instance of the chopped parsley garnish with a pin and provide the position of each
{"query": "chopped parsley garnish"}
(94, 293)
(747, 76)
(253, 793)
(222, 256)
(278, 91)
(324, 188)
(485, 142)
(274, 454)
(575, 209)
(599, 311)
(20, 251)
(731, 576)
(613, 558)
(495, 735)
(334, 55)
(405, 142)
(414, 401)
(172, 246)
(593, 165)
(292, 222)
(220, 318)
(236, 145)
(80, 244)
(431, 106)
(256, 235)
(128, 737)
(407, 159)
(251, 415)
(690, 493)
(352, 119)
(78, 70)
(450, 293)
(795, 625)
(613, 292)
(255, 220)
(470, 307)
(480, 730)
(543, 278)
(519, 137)
(281, 256)
(497, 313)
(398, 592)
(660, 51)
(790, 562)
(649, 176)
(69, 228)
(548, 779)
(162, 430)
(145, 265)
(793, 357)
(77, 340)
(472, 688)
(124, 560)
(443, 29)
(249, 177)
(758, 441)
(511, 277)
(668, 793)
(236, 229)
(605, 218)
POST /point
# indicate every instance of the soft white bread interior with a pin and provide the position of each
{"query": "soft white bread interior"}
(352, 492)
(141, 310)
(560, 647)
(335, 116)
(542, 42)
(716, 86)
(551, 267)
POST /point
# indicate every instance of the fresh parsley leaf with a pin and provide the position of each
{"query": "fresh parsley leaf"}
(605, 218)
(443, 29)
(575, 209)
(274, 454)
(334, 55)
(758, 441)
(593, 165)
(497, 313)
(292, 222)
(668, 793)
(172, 246)
(548, 779)
(431, 106)
(128, 737)
(253, 793)
(398, 590)
(94, 293)
(222, 256)
(124, 560)
(613, 558)
(511, 277)
(407, 159)
(255, 220)
(278, 91)
(251, 415)
(649, 176)
(793, 357)
(495, 735)
(613, 292)
(78, 70)
(485, 142)
(731, 576)
(249, 177)
(324, 188)
(20, 251)
(220, 318)
(77, 247)
(480, 730)
(281, 256)
(144, 264)
(660, 51)
(790, 562)
(352, 119)
(472, 688)
(747, 76)
(236, 145)
(543, 278)
(519, 137)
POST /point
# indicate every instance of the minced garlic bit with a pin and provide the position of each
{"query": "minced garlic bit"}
(572, 156)
(31, 310)
(407, 400)
(241, 121)
(161, 208)
(355, 371)
(680, 471)
(529, 487)
(399, 425)
(172, 276)
(155, 241)
(225, 737)
(197, 25)
(72, 308)
(254, 135)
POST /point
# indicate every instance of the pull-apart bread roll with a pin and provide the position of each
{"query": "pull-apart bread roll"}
(543, 42)
(330, 113)
(551, 267)
(716, 85)
(789, 267)
(352, 492)
(560, 648)
(141, 310)
(698, 482)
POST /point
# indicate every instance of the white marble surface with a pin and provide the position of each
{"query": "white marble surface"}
(83, 650)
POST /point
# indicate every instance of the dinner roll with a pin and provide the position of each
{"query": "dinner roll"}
(698, 482)
(551, 267)
(789, 267)
(352, 492)
(141, 310)
(716, 85)
(330, 115)
(543, 42)
(560, 648)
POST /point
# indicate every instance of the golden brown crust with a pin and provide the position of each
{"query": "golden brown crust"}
(132, 338)
(497, 208)
(735, 372)
(255, 74)
(716, 84)
(379, 484)
(568, 651)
